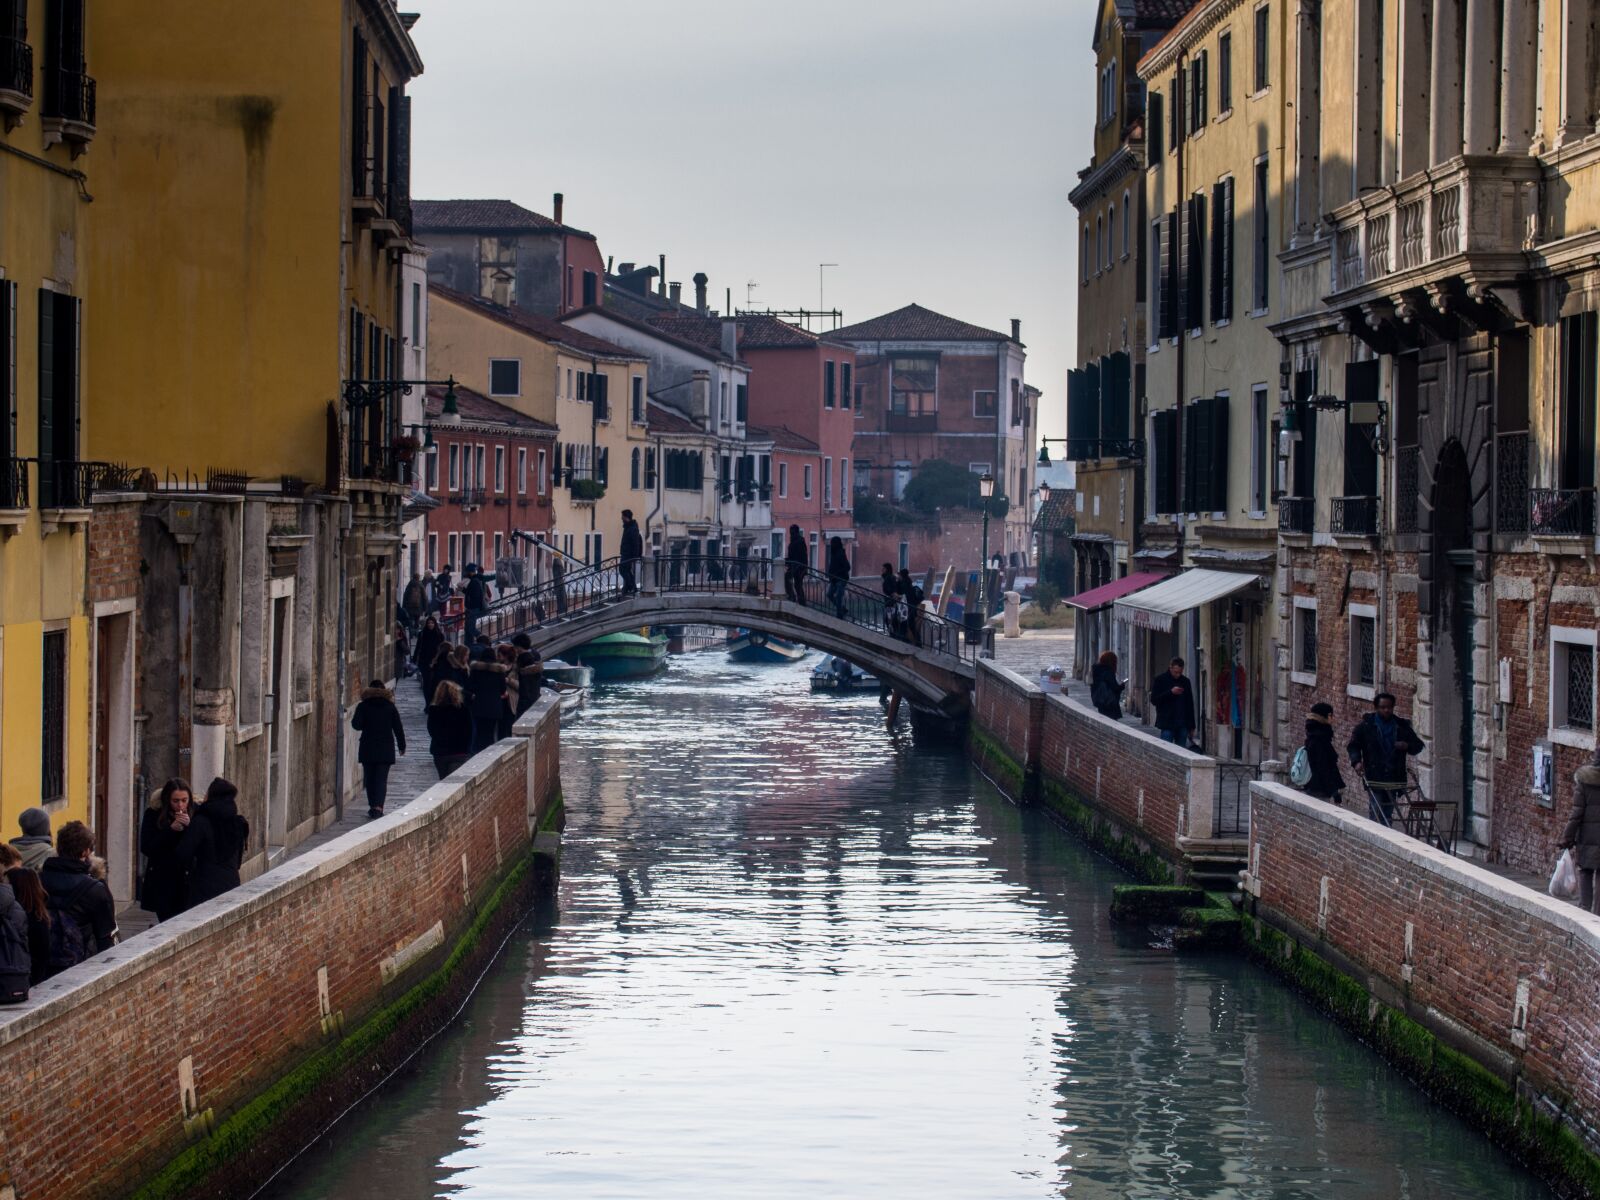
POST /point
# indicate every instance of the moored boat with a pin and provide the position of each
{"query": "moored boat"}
(839, 675)
(753, 646)
(624, 655)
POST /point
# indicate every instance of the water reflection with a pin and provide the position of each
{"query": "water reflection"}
(799, 956)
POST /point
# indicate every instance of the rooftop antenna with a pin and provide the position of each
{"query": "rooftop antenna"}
(750, 293)
(821, 267)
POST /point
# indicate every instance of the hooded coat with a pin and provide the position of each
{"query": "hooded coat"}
(1583, 827)
(530, 679)
(34, 845)
(799, 556)
(838, 563)
(381, 728)
(164, 889)
(428, 643)
(16, 961)
(1326, 777)
(449, 730)
(212, 848)
(486, 686)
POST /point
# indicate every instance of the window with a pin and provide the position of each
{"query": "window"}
(633, 469)
(1363, 651)
(1576, 419)
(1303, 667)
(1572, 686)
(783, 480)
(979, 468)
(416, 315)
(522, 470)
(505, 377)
(828, 382)
(477, 549)
(638, 400)
(1111, 233)
(1154, 127)
(499, 547)
(570, 393)
(861, 392)
(479, 459)
(1127, 214)
(722, 402)
(60, 317)
(591, 289)
(1263, 253)
(538, 474)
(741, 403)
(433, 552)
(1083, 258)
(1194, 257)
(649, 468)
(827, 483)
(583, 386)
(845, 494)
(905, 556)
(1261, 49)
(1260, 450)
(684, 470)
(455, 468)
(452, 550)
(1225, 74)
(983, 404)
(806, 476)
(500, 469)
(1198, 71)
(1161, 318)
(1099, 244)
(430, 469)
(845, 371)
(1205, 454)
(1222, 250)
(53, 732)
(862, 476)
(914, 386)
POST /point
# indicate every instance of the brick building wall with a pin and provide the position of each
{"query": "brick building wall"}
(1498, 970)
(377, 910)
(945, 541)
(113, 548)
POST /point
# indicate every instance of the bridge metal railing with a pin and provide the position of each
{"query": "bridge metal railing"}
(586, 591)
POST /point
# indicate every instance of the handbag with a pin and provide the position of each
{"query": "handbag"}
(1300, 768)
(1564, 879)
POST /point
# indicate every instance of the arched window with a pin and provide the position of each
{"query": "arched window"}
(1127, 218)
(1099, 244)
(1111, 233)
(633, 471)
(1083, 258)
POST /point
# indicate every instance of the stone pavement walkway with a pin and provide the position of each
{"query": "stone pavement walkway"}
(411, 775)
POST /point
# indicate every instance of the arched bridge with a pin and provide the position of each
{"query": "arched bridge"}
(936, 670)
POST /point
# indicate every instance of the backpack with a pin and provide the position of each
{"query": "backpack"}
(1300, 768)
(68, 946)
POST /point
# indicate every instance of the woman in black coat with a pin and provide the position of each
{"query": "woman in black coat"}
(1327, 780)
(838, 574)
(449, 728)
(35, 903)
(795, 564)
(1582, 835)
(428, 643)
(164, 890)
(212, 848)
(1105, 689)
(382, 733)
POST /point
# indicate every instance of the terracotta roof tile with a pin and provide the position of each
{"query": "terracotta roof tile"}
(760, 332)
(470, 216)
(540, 326)
(913, 323)
(689, 327)
(663, 419)
(783, 438)
(474, 406)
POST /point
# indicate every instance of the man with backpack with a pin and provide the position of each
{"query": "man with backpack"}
(83, 916)
(477, 596)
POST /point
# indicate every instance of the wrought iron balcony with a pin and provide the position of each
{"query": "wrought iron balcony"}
(14, 482)
(69, 97)
(1407, 465)
(1355, 516)
(1561, 512)
(1512, 507)
(1413, 234)
(68, 483)
(1296, 514)
(16, 74)
(1090, 449)
(468, 497)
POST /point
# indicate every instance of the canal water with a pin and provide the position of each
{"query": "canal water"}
(798, 955)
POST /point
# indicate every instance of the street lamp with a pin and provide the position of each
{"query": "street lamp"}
(985, 490)
(1044, 533)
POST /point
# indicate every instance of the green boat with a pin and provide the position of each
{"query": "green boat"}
(624, 655)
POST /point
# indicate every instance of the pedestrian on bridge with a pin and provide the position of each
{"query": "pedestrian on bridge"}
(632, 552)
(449, 728)
(558, 582)
(477, 599)
(486, 695)
(838, 575)
(912, 594)
(382, 735)
(442, 588)
(795, 565)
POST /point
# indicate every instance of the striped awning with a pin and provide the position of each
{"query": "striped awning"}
(1106, 593)
(1156, 607)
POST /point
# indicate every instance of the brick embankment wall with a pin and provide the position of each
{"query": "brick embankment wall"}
(196, 1058)
(1140, 800)
(1481, 989)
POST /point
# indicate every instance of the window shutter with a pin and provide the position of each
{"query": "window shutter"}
(1162, 427)
(1114, 374)
(1165, 293)
(1153, 129)
(1194, 262)
(1200, 92)
(1218, 459)
(1216, 252)
(1226, 237)
(1305, 454)
(47, 394)
(358, 115)
(1360, 459)
(1191, 436)
(1090, 391)
(1182, 269)
(400, 158)
(1077, 434)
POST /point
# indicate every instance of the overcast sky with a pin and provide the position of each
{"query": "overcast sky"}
(926, 146)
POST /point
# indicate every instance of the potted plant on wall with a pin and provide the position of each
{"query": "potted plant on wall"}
(405, 446)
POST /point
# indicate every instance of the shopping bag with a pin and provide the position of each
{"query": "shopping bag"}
(1564, 880)
(1300, 768)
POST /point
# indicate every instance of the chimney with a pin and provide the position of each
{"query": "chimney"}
(700, 282)
(557, 213)
(625, 268)
(609, 260)
(1016, 330)
(662, 278)
(675, 293)
(730, 337)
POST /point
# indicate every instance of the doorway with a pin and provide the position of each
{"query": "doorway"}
(1454, 615)
(278, 715)
(117, 804)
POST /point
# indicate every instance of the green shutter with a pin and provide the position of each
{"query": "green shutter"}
(1360, 458)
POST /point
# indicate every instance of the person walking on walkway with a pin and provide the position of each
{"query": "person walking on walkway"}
(414, 600)
(1327, 781)
(212, 849)
(795, 564)
(449, 728)
(34, 845)
(486, 696)
(1378, 748)
(1173, 697)
(838, 575)
(891, 601)
(912, 594)
(1105, 689)
(428, 643)
(164, 890)
(632, 552)
(382, 733)
(558, 582)
(476, 595)
(83, 916)
(1582, 835)
(442, 588)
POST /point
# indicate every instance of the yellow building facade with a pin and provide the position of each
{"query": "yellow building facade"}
(547, 370)
(46, 653)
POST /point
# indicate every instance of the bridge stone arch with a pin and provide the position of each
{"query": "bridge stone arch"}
(931, 678)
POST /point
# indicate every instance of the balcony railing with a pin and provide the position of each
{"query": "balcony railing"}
(1561, 512)
(16, 67)
(66, 483)
(70, 96)
(468, 497)
(912, 422)
(1355, 516)
(1296, 514)
(1090, 449)
(1408, 461)
(14, 482)
(1477, 205)
(1511, 506)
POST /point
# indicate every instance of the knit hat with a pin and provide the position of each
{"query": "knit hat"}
(35, 822)
(1322, 709)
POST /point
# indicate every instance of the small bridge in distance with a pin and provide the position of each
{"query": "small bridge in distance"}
(938, 674)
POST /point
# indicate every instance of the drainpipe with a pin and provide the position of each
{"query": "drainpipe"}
(185, 664)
